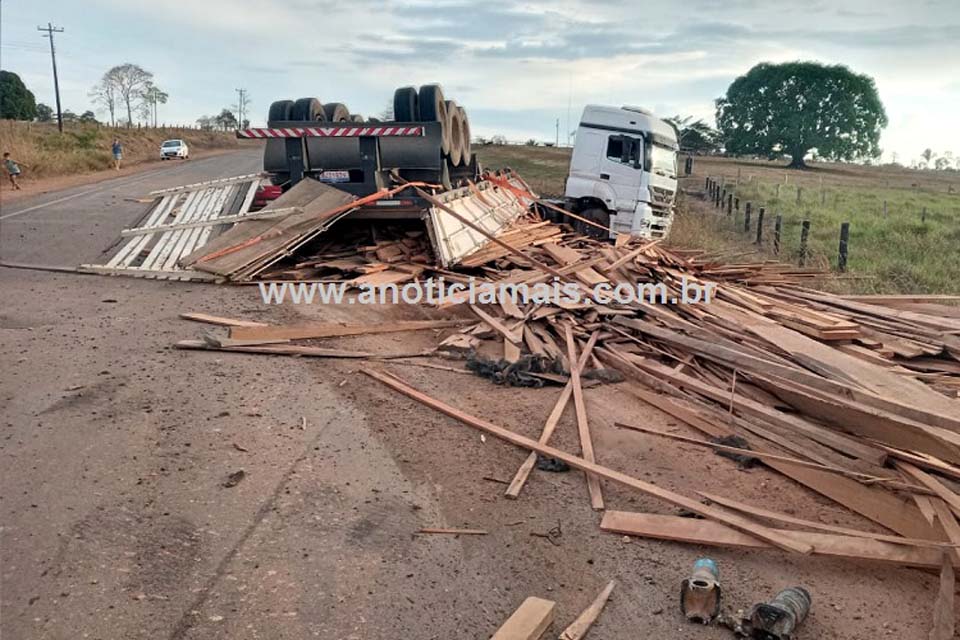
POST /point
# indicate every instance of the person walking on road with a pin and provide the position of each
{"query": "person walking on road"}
(13, 169)
(117, 153)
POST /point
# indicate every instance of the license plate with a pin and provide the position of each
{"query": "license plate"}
(335, 176)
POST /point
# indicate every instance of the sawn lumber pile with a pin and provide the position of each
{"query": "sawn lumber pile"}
(855, 399)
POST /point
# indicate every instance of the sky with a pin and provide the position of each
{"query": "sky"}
(517, 67)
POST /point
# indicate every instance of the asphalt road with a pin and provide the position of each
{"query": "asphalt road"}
(114, 450)
(69, 227)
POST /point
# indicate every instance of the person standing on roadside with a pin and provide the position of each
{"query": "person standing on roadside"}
(13, 169)
(117, 153)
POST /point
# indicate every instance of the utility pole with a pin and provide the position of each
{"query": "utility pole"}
(50, 29)
(558, 132)
(241, 106)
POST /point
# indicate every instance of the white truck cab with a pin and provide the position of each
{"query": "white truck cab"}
(623, 171)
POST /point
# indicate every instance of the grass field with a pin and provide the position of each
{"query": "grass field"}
(900, 251)
(544, 168)
(85, 148)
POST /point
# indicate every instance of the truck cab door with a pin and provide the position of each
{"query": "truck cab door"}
(621, 170)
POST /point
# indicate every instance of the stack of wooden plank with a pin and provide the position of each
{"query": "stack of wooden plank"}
(854, 399)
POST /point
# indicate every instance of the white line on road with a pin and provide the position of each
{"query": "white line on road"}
(112, 184)
(46, 204)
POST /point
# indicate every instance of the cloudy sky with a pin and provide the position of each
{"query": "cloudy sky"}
(517, 66)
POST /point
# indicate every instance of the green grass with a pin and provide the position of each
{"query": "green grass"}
(900, 252)
(544, 168)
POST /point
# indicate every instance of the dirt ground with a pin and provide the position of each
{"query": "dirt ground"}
(115, 447)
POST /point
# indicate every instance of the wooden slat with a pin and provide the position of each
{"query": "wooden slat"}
(333, 329)
(583, 424)
(528, 622)
(716, 534)
(520, 477)
(676, 499)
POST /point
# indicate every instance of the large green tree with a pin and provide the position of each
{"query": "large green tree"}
(16, 101)
(796, 107)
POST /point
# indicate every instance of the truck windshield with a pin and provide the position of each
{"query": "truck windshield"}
(663, 161)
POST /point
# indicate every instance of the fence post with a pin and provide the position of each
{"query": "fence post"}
(736, 203)
(760, 225)
(799, 192)
(923, 215)
(688, 166)
(706, 185)
(746, 217)
(844, 242)
(716, 200)
(884, 208)
(777, 228)
(804, 237)
(729, 204)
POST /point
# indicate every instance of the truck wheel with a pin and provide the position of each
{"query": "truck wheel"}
(280, 110)
(336, 112)
(455, 126)
(597, 215)
(308, 110)
(433, 108)
(405, 105)
(465, 136)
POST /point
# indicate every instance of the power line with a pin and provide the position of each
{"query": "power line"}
(50, 29)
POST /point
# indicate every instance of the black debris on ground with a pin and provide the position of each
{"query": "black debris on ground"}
(515, 374)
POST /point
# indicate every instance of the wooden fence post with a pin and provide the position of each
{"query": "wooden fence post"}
(746, 217)
(777, 228)
(736, 203)
(778, 191)
(923, 215)
(760, 225)
(729, 204)
(804, 237)
(799, 193)
(844, 242)
(884, 208)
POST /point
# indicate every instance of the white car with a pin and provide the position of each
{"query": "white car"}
(174, 149)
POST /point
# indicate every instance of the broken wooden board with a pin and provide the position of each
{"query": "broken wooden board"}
(579, 628)
(250, 242)
(297, 350)
(737, 522)
(336, 330)
(716, 534)
(528, 622)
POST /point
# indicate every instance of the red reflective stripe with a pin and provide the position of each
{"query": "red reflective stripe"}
(325, 132)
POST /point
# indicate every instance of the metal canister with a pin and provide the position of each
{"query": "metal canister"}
(700, 593)
(779, 618)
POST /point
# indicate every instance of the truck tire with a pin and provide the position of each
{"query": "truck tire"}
(280, 110)
(593, 214)
(405, 107)
(433, 108)
(455, 126)
(308, 110)
(336, 112)
(465, 136)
